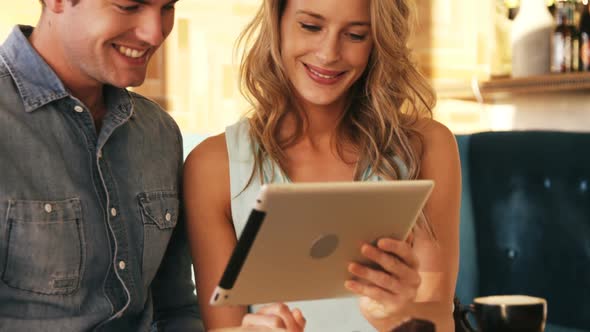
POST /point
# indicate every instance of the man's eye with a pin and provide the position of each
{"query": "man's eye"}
(128, 9)
(309, 27)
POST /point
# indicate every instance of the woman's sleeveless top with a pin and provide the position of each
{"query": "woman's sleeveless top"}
(338, 315)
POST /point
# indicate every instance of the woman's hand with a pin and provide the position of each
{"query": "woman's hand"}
(389, 286)
(277, 315)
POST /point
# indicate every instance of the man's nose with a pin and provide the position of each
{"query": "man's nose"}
(150, 28)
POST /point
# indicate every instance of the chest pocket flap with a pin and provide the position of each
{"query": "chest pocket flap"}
(159, 213)
(159, 208)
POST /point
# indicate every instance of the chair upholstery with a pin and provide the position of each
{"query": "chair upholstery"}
(525, 220)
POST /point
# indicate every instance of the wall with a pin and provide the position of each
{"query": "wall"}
(201, 67)
(195, 74)
(459, 41)
(19, 11)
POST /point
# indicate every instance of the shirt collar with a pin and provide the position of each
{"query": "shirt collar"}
(38, 84)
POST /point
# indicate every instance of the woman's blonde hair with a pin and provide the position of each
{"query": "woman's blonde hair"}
(384, 104)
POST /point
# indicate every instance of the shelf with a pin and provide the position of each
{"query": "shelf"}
(506, 87)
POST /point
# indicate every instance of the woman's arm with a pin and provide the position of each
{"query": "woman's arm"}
(207, 201)
(392, 295)
(439, 261)
(440, 162)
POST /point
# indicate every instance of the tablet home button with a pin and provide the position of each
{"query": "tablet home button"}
(324, 246)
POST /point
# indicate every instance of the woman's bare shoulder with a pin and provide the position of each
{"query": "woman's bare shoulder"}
(430, 136)
(211, 152)
(208, 162)
(435, 137)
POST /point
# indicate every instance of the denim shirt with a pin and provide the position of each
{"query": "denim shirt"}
(91, 231)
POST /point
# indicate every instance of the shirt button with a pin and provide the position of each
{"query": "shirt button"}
(48, 208)
(78, 109)
(113, 212)
(122, 265)
(168, 216)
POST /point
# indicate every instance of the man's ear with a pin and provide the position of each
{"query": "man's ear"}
(56, 6)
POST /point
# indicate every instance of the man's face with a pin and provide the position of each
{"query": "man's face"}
(111, 41)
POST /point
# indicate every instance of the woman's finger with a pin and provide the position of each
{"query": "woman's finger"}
(262, 320)
(410, 239)
(299, 318)
(286, 316)
(402, 250)
(377, 277)
(392, 264)
(374, 292)
(270, 309)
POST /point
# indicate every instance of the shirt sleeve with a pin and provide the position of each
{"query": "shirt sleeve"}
(173, 290)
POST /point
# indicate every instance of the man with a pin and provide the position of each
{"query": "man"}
(91, 231)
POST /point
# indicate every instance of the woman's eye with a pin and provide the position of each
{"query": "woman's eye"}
(357, 37)
(310, 27)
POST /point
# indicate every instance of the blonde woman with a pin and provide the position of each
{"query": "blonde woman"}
(335, 97)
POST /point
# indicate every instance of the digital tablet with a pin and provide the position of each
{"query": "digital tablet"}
(300, 237)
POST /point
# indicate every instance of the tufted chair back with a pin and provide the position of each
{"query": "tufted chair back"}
(525, 220)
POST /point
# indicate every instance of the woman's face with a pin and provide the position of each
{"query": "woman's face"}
(325, 47)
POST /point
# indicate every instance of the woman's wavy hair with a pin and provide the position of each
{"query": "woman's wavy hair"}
(384, 105)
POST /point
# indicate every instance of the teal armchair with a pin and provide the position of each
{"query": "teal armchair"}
(525, 221)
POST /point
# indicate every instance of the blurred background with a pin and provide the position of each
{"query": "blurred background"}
(496, 65)
(463, 46)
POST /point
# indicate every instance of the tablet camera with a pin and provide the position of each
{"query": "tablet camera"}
(324, 246)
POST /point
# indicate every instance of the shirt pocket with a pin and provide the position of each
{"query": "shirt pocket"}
(45, 248)
(159, 213)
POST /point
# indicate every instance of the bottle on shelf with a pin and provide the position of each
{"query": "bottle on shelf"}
(501, 60)
(565, 42)
(512, 6)
(551, 7)
(584, 29)
(575, 13)
(531, 39)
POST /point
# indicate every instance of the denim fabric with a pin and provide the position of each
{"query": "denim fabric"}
(91, 229)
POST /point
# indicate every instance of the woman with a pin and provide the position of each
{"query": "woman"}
(335, 98)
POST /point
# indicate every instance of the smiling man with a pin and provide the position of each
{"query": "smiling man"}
(92, 236)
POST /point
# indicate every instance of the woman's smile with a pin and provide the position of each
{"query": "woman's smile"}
(323, 76)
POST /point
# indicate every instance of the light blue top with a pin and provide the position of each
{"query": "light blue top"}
(338, 315)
